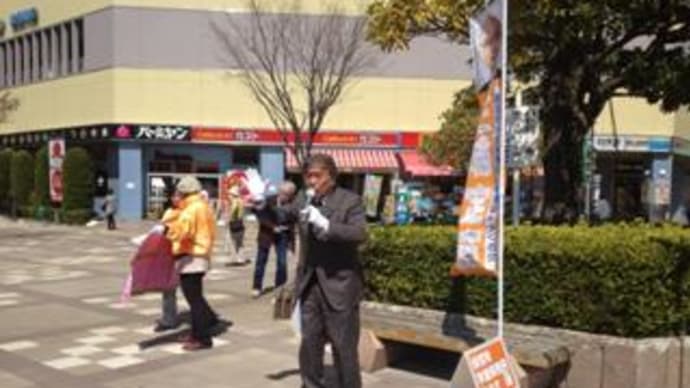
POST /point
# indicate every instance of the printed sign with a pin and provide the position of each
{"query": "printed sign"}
(488, 365)
(56, 156)
(162, 132)
(477, 251)
(273, 137)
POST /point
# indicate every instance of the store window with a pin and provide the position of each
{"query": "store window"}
(245, 157)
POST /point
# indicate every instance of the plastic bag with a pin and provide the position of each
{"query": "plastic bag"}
(153, 266)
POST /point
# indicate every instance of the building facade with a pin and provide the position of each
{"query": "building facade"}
(147, 88)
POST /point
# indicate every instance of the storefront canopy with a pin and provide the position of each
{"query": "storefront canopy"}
(415, 164)
(353, 160)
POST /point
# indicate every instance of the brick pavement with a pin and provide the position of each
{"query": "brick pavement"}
(63, 324)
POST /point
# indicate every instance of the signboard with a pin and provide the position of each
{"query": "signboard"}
(372, 193)
(632, 144)
(56, 156)
(273, 137)
(162, 132)
(477, 250)
(487, 366)
(24, 18)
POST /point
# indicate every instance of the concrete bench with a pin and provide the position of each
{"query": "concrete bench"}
(540, 356)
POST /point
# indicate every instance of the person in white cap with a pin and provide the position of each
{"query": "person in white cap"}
(192, 234)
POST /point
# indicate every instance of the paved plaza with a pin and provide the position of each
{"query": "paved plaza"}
(62, 323)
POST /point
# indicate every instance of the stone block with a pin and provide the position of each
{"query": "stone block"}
(372, 353)
(620, 364)
(586, 367)
(652, 360)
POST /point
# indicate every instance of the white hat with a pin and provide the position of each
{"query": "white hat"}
(188, 185)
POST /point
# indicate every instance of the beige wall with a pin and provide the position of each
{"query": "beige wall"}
(214, 98)
(634, 116)
(682, 124)
(53, 11)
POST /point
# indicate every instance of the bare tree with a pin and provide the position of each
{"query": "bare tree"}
(7, 104)
(296, 65)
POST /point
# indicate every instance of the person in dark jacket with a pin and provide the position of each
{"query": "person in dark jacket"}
(275, 229)
(332, 224)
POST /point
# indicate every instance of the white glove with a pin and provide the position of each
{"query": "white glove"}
(158, 229)
(313, 216)
(280, 229)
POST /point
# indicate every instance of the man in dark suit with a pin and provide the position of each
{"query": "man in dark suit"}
(329, 275)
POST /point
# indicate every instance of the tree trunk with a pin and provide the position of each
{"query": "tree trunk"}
(563, 181)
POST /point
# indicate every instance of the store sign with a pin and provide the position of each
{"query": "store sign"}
(267, 136)
(632, 144)
(162, 132)
(56, 156)
(24, 18)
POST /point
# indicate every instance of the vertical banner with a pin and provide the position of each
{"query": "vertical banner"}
(372, 193)
(56, 156)
(480, 211)
(477, 251)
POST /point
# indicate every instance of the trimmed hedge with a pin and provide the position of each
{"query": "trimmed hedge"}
(77, 180)
(21, 178)
(41, 195)
(617, 279)
(5, 161)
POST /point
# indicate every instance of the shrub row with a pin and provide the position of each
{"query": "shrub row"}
(24, 185)
(618, 279)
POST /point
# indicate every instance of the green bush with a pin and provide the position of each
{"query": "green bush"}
(77, 180)
(21, 178)
(618, 279)
(75, 216)
(41, 194)
(5, 161)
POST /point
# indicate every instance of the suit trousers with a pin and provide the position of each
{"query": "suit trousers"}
(322, 324)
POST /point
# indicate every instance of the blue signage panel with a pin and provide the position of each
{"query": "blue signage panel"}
(24, 18)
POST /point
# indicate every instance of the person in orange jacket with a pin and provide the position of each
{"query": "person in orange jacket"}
(192, 234)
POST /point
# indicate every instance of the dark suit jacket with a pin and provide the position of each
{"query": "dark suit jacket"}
(333, 257)
(270, 216)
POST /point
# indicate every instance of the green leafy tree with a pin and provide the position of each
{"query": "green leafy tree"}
(77, 180)
(7, 105)
(452, 144)
(41, 182)
(5, 161)
(573, 55)
(21, 179)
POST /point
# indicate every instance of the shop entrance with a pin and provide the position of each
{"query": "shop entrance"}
(160, 187)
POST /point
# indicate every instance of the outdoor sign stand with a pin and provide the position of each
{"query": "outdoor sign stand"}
(489, 365)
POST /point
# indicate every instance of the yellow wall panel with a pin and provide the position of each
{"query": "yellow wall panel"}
(78, 100)
(634, 116)
(308, 6)
(682, 124)
(214, 98)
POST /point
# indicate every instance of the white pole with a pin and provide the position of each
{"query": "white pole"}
(502, 167)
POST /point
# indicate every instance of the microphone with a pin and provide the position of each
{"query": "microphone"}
(310, 193)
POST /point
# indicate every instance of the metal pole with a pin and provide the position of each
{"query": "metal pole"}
(502, 166)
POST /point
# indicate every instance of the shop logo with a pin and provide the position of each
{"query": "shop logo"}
(162, 132)
(123, 132)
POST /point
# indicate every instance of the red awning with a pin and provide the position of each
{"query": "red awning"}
(416, 164)
(353, 160)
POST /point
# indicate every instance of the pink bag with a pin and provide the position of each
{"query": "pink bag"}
(153, 266)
